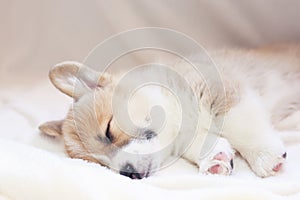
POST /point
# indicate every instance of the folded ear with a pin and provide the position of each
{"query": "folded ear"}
(52, 128)
(75, 79)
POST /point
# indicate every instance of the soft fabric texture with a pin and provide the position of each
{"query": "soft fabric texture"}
(34, 166)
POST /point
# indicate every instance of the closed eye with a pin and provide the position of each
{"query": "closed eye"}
(108, 133)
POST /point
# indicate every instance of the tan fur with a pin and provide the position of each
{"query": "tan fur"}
(96, 115)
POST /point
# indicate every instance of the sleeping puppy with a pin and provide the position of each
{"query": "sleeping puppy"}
(260, 96)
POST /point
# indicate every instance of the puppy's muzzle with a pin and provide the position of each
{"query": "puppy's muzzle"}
(129, 171)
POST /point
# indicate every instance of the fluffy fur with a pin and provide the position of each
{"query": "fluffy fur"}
(258, 97)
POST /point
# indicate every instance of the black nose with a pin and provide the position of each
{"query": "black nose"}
(129, 171)
(149, 134)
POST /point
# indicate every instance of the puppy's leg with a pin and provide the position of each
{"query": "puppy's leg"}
(248, 129)
(219, 160)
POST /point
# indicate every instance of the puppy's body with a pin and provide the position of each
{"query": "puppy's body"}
(238, 108)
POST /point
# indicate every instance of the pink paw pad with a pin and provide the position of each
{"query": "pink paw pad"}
(278, 167)
(216, 169)
(221, 156)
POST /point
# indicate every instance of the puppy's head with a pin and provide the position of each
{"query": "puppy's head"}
(91, 130)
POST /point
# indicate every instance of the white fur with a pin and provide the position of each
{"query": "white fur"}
(257, 90)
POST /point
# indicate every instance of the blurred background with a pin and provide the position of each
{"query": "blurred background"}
(36, 34)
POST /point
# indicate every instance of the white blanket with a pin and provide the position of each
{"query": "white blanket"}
(34, 166)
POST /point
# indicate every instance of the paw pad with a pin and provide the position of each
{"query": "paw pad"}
(216, 169)
(277, 168)
(221, 156)
(220, 163)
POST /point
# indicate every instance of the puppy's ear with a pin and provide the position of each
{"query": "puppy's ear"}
(75, 79)
(52, 128)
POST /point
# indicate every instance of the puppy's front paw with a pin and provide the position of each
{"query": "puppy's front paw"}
(266, 163)
(219, 161)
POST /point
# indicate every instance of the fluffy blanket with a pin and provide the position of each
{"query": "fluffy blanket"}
(34, 166)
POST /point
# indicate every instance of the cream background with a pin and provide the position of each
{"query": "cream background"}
(37, 34)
